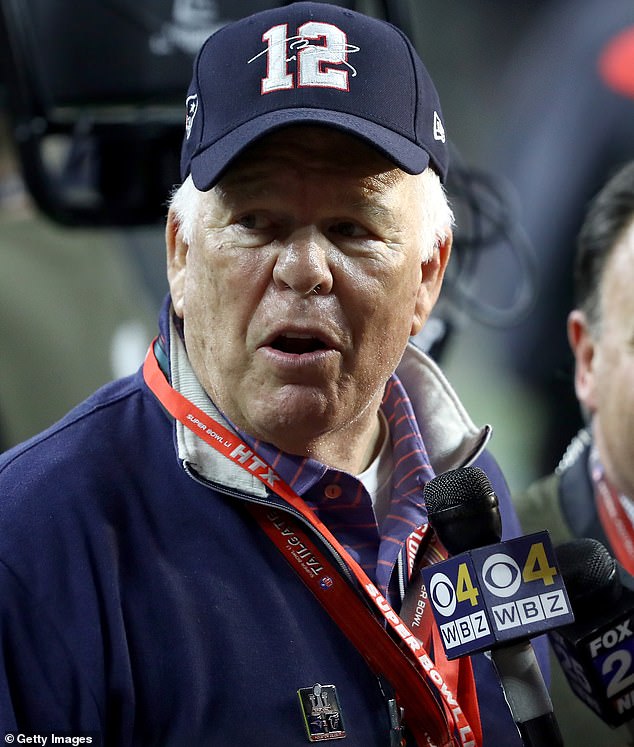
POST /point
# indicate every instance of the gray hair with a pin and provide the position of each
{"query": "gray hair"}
(185, 202)
(436, 213)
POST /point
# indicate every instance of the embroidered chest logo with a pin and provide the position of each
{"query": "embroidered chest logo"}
(315, 57)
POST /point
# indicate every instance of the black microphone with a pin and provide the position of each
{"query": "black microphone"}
(596, 652)
(494, 595)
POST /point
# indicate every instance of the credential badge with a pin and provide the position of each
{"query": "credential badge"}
(321, 712)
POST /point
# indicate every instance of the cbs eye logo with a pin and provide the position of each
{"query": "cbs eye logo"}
(443, 594)
(501, 575)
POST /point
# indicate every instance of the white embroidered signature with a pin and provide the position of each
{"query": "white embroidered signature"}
(301, 42)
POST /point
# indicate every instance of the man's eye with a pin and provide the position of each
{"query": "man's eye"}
(348, 229)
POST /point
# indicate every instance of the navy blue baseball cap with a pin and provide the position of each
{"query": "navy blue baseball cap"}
(310, 63)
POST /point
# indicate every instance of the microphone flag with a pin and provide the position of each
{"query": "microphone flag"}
(498, 593)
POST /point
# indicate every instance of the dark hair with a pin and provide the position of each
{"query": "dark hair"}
(609, 215)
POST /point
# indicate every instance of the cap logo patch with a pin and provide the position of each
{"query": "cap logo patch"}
(319, 50)
(439, 130)
(191, 105)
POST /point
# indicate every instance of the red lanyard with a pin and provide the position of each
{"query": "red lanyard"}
(406, 664)
(615, 521)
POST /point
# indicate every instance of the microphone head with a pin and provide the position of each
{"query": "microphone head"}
(463, 509)
(590, 574)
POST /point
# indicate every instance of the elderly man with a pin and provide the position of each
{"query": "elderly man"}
(213, 551)
(591, 492)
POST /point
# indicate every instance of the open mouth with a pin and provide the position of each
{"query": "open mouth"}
(297, 344)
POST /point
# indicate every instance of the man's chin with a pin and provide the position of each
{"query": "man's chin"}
(291, 420)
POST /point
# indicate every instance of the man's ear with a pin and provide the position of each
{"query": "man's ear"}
(176, 262)
(432, 274)
(583, 347)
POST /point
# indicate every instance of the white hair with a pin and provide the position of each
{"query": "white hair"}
(436, 213)
(185, 202)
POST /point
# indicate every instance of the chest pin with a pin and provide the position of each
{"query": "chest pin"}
(322, 712)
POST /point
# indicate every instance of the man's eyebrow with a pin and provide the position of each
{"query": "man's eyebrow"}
(252, 183)
(373, 189)
(372, 205)
(245, 185)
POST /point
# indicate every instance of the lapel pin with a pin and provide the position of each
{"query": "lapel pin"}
(322, 712)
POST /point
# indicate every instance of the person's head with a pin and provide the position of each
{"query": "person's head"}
(601, 327)
(310, 235)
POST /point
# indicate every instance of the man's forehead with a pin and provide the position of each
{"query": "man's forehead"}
(622, 251)
(616, 282)
(306, 148)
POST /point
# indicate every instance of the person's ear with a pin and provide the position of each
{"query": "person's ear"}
(177, 250)
(583, 346)
(432, 274)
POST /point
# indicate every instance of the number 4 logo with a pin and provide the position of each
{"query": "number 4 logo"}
(315, 61)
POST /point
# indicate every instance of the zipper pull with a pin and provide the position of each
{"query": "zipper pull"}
(395, 713)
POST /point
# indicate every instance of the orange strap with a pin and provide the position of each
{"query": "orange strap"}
(423, 715)
(616, 524)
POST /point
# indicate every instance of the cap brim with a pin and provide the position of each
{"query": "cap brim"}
(209, 163)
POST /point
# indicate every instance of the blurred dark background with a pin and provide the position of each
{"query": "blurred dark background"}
(538, 98)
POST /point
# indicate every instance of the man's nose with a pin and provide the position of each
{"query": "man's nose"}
(303, 264)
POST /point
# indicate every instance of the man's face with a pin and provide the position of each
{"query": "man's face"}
(609, 387)
(302, 285)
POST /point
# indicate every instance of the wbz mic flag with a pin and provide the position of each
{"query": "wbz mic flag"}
(497, 594)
